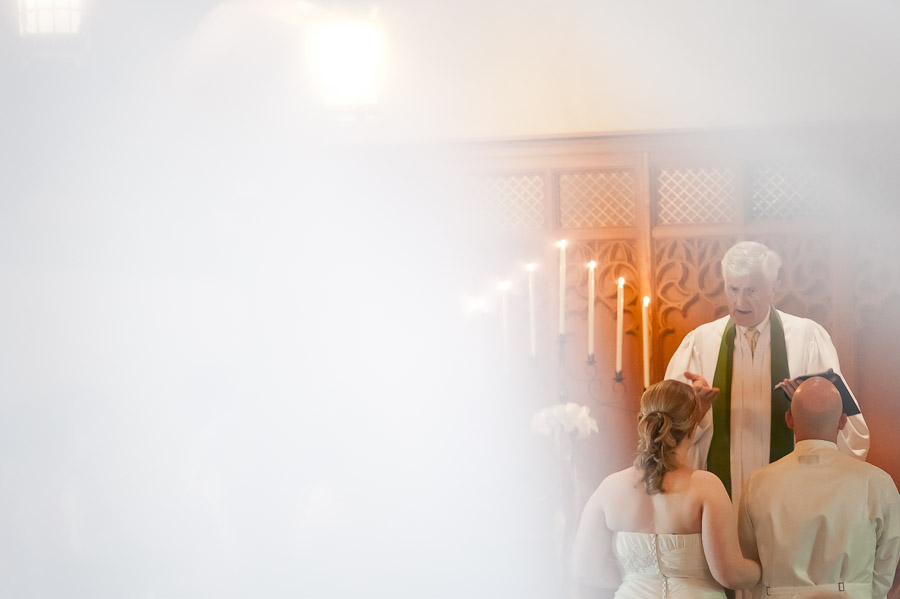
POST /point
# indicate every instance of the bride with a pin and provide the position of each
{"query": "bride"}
(671, 529)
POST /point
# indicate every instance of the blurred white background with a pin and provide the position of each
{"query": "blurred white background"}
(232, 357)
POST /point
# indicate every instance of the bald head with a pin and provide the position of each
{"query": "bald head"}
(816, 411)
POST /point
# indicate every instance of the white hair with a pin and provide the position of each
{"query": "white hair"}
(744, 257)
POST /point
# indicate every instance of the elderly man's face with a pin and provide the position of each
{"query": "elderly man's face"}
(749, 297)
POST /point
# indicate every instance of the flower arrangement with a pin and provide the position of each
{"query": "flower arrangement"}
(569, 417)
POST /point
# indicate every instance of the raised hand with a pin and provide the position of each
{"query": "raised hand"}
(788, 386)
(705, 394)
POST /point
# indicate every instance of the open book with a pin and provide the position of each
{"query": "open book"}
(850, 407)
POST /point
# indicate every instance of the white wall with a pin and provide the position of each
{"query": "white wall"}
(513, 68)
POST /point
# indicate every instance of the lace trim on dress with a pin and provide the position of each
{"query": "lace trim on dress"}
(647, 562)
(643, 562)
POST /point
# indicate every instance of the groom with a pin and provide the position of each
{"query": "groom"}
(753, 357)
(816, 519)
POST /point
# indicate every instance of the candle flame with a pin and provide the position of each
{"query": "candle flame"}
(530, 267)
(621, 281)
(504, 285)
(592, 265)
(562, 243)
(646, 300)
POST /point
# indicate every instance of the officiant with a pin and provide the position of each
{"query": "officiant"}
(744, 367)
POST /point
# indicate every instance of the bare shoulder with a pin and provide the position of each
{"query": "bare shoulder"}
(619, 482)
(706, 482)
(620, 479)
(611, 489)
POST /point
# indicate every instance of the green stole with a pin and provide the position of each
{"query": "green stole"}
(718, 461)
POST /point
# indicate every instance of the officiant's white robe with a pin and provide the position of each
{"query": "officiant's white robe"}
(809, 351)
(818, 517)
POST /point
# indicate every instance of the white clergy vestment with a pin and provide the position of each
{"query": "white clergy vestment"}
(751, 406)
(809, 351)
(817, 518)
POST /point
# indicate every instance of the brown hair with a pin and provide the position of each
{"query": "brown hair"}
(668, 414)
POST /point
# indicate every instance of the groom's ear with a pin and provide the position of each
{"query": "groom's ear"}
(789, 418)
(842, 422)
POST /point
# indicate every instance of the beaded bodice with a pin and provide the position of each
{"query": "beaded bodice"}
(657, 559)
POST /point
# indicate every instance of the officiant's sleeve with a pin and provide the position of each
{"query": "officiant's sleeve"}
(853, 440)
(884, 505)
(687, 359)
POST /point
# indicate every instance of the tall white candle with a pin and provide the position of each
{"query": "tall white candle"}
(591, 266)
(562, 287)
(531, 333)
(504, 309)
(645, 324)
(620, 308)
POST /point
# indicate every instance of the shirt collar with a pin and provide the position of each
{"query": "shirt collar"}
(812, 444)
(762, 327)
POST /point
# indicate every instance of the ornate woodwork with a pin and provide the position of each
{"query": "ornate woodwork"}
(689, 196)
(661, 210)
(513, 202)
(596, 199)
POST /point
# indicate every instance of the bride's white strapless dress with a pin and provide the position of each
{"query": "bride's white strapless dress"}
(663, 566)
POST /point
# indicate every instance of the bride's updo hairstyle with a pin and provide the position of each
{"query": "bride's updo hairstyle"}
(669, 412)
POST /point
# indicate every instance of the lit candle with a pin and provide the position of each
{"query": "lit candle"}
(620, 308)
(645, 317)
(562, 287)
(591, 268)
(530, 269)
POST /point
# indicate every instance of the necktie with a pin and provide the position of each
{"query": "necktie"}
(752, 337)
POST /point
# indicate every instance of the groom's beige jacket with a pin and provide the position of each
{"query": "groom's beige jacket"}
(819, 518)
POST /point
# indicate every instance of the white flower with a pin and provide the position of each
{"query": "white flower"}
(541, 424)
(585, 424)
(564, 418)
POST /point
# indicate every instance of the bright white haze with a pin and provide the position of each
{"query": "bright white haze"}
(233, 361)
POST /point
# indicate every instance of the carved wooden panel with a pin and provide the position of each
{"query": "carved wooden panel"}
(876, 290)
(806, 278)
(695, 196)
(780, 192)
(614, 259)
(876, 270)
(513, 202)
(689, 289)
(597, 199)
(593, 385)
